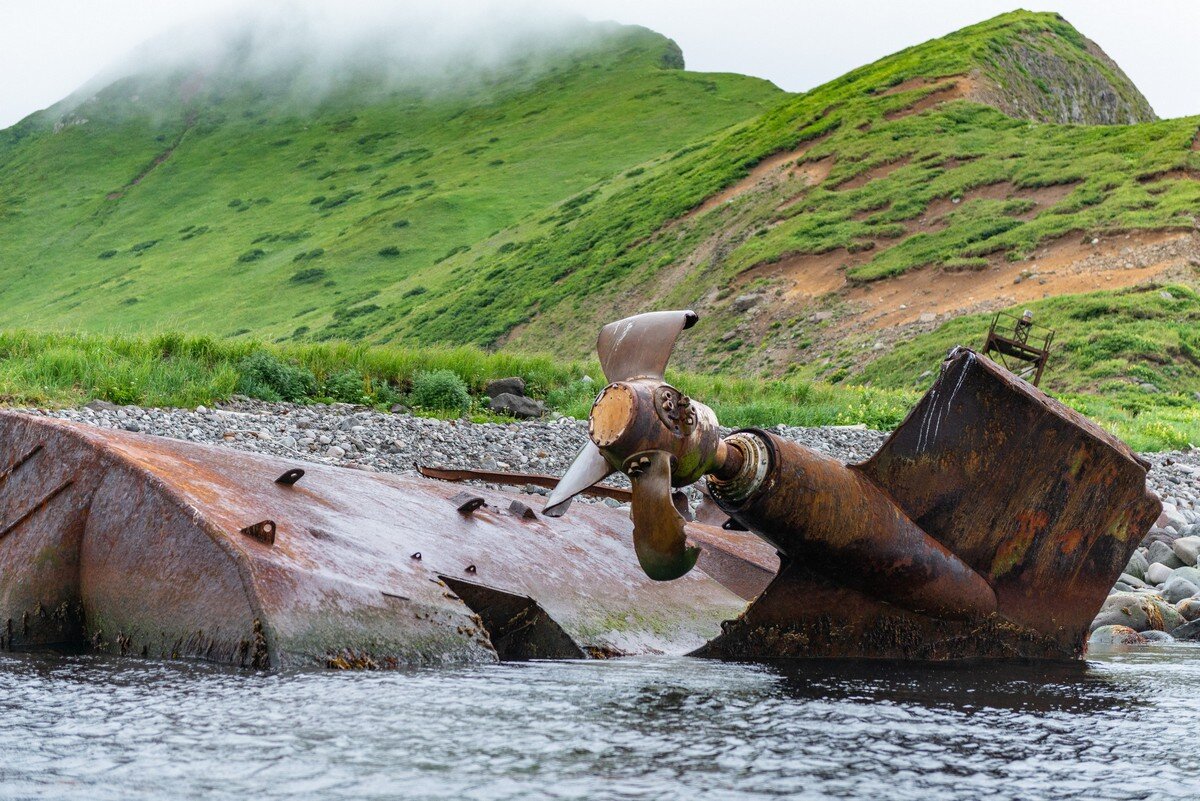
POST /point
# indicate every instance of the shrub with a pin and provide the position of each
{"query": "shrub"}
(253, 254)
(390, 251)
(107, 254)
(442, 390)
(264, 376)
(346, 387)
(309, 275)
(309, 255)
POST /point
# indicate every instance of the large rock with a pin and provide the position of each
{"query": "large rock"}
(1132, 581)
(1189, 608)
(1171, 517)
(1157, 636)
(1187, 549)
(1163, 554)
(1137, 611)
(513, 385)
(1137, 565)
(1116, 635)
(1191, 574)
(1177, 589)
(1158, 573)
(1169, 615)
(517, 406)
(1188, 631)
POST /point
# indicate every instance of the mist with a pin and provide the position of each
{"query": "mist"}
(311, 49)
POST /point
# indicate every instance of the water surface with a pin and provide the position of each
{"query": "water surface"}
(1121, 726)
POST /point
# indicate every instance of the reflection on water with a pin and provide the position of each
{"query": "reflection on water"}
(1122, 726)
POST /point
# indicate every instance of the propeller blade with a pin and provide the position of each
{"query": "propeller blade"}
(640, 346)
(589, 467)
(658, 535)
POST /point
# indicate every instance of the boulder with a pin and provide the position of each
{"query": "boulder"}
(1188, 631)
(1191, 574)
(1171, 517)
(1177, 589)
(1137, 611)
(1169, 615)
(1187, 549)
(1116, 635)
(1137, 565)
(1158, 573)
(1158, 535)
(1157, 636)
(1189, 609)
(513, 385)
(1162, 553)
(517, 405)
(1133, 581)
(745, 302)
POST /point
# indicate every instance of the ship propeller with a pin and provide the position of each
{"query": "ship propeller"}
(643, 427)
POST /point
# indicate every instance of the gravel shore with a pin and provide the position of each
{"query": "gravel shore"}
(353, 436)
(1157, 598)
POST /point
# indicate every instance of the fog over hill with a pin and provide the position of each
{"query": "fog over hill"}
(312, 51)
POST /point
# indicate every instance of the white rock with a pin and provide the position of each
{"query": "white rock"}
(1157, 573)
(1187, 549)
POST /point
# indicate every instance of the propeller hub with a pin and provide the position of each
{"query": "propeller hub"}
(645, 414)
(613, 413)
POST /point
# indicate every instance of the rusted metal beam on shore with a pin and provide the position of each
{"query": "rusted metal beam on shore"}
(517, 479)
(142, 553)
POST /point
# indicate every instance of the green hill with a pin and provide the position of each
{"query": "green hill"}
(848, 234)
(203, 200)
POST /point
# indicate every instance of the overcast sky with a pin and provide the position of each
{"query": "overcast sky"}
(48, 48)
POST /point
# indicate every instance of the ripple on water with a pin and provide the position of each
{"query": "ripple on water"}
(1119, 727)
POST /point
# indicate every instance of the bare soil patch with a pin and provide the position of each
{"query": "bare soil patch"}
(1067, 266)
(766, 172)
(1043, 197)
(963, 87)
(873, 174)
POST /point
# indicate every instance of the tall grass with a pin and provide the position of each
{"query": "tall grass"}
(43, 369)
(39, 369)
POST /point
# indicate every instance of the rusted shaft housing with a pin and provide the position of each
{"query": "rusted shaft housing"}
(823, 514)
(1035, 499)
(631, 417)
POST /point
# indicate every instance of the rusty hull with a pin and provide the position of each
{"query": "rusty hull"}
(1035, 499)
(132, 544)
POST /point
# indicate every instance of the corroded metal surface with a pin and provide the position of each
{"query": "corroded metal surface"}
(514, 479)
(135, 545)
(820, 512)
(1007, 486)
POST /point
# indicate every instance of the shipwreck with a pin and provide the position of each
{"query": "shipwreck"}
(990, 524)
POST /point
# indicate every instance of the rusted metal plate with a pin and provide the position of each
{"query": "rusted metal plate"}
(149, 540)
(1037, 498)
(1023, 492)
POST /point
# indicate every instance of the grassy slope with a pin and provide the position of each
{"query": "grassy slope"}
(623, 240)
(268, 217)
(1129, 358)
(175, 370)
(559, 265)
